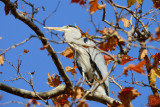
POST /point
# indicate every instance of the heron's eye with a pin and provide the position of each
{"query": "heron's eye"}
(67, 27)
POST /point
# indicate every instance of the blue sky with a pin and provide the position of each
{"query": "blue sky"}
(14, 31)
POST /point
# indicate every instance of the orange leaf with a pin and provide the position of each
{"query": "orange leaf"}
(44, 47)
(127, 94)
(68, 53)
(137, 68)
(71, 70)
(81, 2)
(108, 58)
(61, 100)
(156, 58)
(126, 59)
(1, 60)
(109, 45)
(126, 22)
(95, 6)
(25, 51)
(54, 82)
(153, 101)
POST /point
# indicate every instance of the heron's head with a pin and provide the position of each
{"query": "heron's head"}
(69, 31)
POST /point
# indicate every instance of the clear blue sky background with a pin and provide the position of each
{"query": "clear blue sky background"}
(14, 31)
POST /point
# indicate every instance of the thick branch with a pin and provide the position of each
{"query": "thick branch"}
(42, 38)
(61, 89)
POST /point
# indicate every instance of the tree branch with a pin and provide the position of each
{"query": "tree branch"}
(61, 89)
(43, 39)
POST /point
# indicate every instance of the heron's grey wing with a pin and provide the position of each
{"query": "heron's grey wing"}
(99, 63)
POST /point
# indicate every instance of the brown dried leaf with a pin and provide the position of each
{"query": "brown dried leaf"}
(77, 93)
(94, 6)
(61, 100)
(156, 4)
(81, 2)
(153, 101)
(126, 95)
(54, 82)
(33, 101)
(126, 22)
(68, 53)
(1, 60)
(25, 51)
(71, 70)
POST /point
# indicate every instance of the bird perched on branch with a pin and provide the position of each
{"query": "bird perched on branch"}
(89, 60)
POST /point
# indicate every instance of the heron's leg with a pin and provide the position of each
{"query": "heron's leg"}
(84, 78)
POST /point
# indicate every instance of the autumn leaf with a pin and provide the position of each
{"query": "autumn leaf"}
(1, 60)
(61, 101)
(25, 51)
(126, 22)
(156, 4)
(68, 53)
(71, 70)
(81, 2)
(137, 68)
(157, 30)
(153, 101)
(33, 101)
(125, 59)
(54, 82)
(109, 45)
(82, 104)
(44, 47)
(94, 6)
(77, 93)
(132, 2)
(156, 58)
(7, 10)
(126, 95)
(108, 58)
(152, 76)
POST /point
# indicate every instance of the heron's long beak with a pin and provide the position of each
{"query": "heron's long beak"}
(55, 28)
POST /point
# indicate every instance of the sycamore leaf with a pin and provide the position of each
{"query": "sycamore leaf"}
(126, 22)
(81, 2)
(54, 82)
(125, 59)
(25, 51)
(61, 101)
(44, 47)
(127, 94)
(82, 104)
(77, 93)
(94, 6)
(137, 68)
(1, 60)
(153, 101)
(156, 4)
(71, 70)
(109, 45)
(68, 53)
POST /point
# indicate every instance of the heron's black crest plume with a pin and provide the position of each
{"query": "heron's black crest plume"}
(71, 26)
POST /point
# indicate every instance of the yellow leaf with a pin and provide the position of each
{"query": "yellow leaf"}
(68, 53)
(139, 2)
(71, 70)
(157, 72)
(1, 60)
(131, 2)
(152, 76)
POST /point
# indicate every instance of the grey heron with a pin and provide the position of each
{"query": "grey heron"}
(89, 61)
